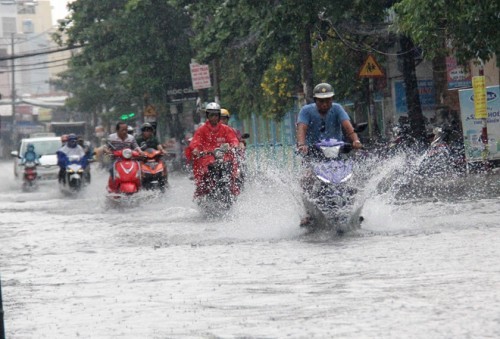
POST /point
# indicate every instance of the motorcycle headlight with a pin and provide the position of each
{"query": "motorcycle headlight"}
(80, 171)
(127, 153)
(70, 171)
(330, 152)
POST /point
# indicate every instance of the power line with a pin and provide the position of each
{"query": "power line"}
(35, 68)
(22, 41)
(38, 63)
(27, 55)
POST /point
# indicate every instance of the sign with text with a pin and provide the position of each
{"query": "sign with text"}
(200, 76)
(479, 89)
(457, 76)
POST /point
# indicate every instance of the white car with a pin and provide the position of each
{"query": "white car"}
(46, 147)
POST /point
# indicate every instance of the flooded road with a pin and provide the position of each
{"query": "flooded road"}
(75, 268)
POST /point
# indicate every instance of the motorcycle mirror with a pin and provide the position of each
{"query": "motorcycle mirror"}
(346, 148)
(360, 127)
(110, 145)
(245, 136)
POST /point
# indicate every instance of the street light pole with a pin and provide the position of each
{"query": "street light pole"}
(13, 91)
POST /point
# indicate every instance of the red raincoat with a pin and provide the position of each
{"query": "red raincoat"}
(208, 138)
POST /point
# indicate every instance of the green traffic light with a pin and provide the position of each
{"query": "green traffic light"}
(127, 116)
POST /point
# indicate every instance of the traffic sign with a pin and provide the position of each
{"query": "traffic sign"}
(370, 69)
(150, 111)
(200, 76)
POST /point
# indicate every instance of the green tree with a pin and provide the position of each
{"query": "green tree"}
(470, 27)
(249, 38)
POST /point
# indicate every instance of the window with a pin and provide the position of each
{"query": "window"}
(8, 26)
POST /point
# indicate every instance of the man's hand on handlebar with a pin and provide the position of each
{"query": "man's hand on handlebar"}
(357, 144)
(302, 149)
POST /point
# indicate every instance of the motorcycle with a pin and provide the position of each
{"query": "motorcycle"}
(126, 179)
(329, 197)
(75, 176)
(445, 155)
(215, 192)
(154, 171)
(30, 175)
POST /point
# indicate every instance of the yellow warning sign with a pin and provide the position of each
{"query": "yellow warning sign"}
(370, 69)
(150, 111)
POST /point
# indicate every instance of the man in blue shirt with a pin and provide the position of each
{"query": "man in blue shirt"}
(323, 119)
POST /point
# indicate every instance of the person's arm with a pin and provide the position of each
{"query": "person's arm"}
(159, 146)
(349, 130)
(195, 143)
(301, 138)
(231, 137)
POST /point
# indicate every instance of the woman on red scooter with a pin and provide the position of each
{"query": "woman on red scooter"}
(208, 137)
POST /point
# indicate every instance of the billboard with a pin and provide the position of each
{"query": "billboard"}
(472, 127)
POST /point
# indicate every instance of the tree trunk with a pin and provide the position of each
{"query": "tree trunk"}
(417, 123)
(306, 64)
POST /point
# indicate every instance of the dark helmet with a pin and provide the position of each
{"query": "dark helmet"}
(212, 107)
(31, 147)
(72, 140)
(323, 90)
(146, 126)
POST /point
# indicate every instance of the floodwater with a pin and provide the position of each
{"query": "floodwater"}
(74, 267)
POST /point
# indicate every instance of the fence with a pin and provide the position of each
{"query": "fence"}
(271, 143)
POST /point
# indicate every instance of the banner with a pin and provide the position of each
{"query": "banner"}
(472, 127)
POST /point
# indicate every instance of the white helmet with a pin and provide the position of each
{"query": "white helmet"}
(212, 107)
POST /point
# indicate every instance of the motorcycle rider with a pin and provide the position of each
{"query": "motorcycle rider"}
(130, 130)
(116, 142)
(211, 135)
(64, 139)
(121, 139)
(30, 155)
(224, 119)
(69, 149)
(323, 119)
(148, 137)
(89, 153)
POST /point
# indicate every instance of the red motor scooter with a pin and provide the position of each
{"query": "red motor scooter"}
(126, 173)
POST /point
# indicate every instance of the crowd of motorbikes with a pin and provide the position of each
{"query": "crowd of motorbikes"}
(329, 188)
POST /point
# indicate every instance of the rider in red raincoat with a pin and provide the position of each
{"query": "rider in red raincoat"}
(208, 137)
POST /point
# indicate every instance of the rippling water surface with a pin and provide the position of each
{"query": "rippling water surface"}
(76, 268)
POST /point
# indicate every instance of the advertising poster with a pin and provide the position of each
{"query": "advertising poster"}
(426, 92)
(472, 127)
(458, 76)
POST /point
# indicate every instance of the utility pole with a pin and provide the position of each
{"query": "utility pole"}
(13, 91)
(2, 326)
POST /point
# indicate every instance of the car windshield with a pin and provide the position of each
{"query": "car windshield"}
(42, 147)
